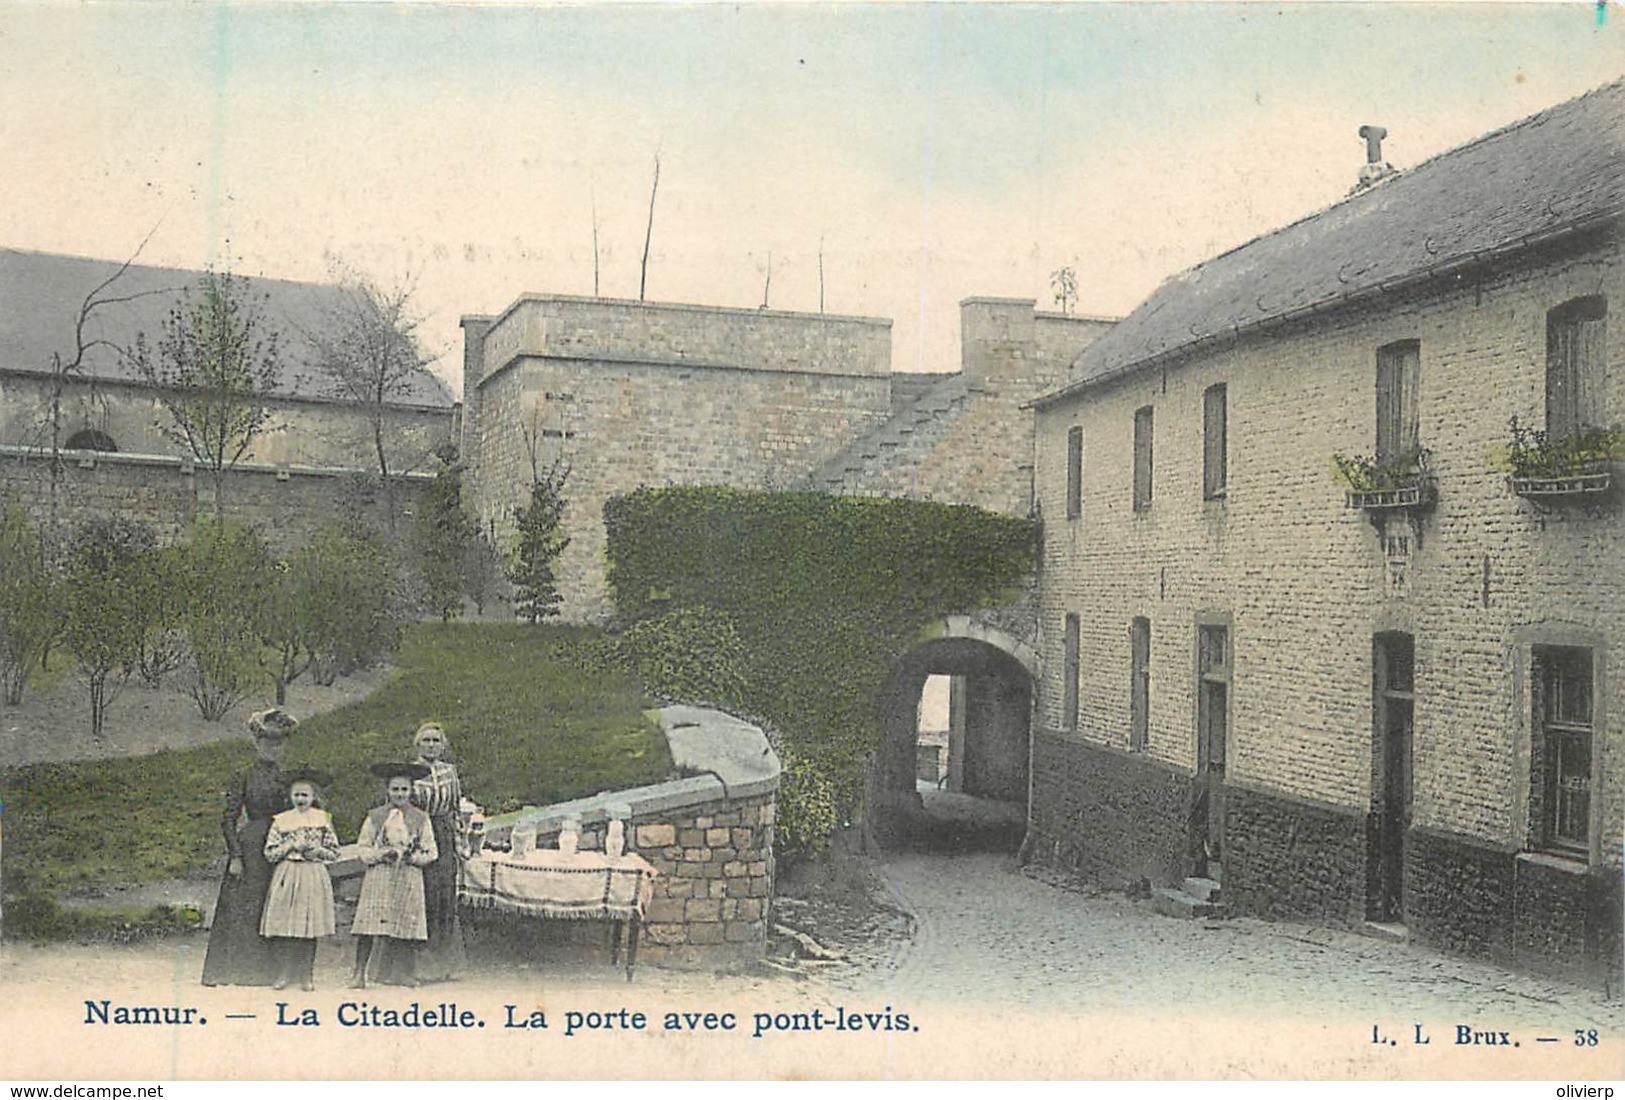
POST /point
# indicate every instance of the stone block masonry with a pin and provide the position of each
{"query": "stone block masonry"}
(632, 394)
(284, 504)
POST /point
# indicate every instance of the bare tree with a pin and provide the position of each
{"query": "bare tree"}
(367, 352)
(767, 286)
(643, 277)
(215, 369)
(820, 275)
(64, 371)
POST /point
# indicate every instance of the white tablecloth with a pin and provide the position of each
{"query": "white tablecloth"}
(548, 883)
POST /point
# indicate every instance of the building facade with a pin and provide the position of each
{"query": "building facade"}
(1391, 698)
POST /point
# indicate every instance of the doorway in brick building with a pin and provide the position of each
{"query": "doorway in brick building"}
(1393, 668)
(1212, 739)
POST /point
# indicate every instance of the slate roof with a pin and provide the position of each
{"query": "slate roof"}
(41, 294)
(1554, 172)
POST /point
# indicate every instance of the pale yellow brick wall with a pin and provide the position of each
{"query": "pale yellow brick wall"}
(1304, 577)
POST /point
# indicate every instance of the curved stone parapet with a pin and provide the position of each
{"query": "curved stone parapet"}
(708, 834)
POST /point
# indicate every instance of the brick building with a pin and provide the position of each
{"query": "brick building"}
(1394, 706)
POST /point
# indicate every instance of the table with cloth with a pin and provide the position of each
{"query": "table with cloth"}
(564, 886)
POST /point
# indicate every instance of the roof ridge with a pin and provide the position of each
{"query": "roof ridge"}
(1407, 173)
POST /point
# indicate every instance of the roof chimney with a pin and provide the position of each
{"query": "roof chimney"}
(1375, 169)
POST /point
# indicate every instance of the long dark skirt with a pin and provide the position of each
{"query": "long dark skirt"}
(238, 954)
(443, 956)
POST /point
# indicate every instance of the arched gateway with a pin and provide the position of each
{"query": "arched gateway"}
(981, 787)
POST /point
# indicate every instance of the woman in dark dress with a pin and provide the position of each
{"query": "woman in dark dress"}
(238, 954)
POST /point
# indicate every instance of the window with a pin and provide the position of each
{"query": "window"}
(91, 440)
(1139, 703)
(1074, 473)
(1069, 693)
(1398, 366)
(1142, 459)
(1575, 345)
(1213, 443)
(1560, 760)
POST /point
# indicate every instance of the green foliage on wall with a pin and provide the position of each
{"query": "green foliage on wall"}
(824, 593)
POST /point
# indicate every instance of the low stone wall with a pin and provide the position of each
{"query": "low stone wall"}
(708, 836)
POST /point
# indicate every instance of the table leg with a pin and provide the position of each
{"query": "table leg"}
(614, 943)
(632, 944)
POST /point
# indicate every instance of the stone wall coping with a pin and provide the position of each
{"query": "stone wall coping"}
(731, 749)
(681, 307)
(133, 458)
(734, 756)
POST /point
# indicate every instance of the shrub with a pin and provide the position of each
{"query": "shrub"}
(108, 606)
(1532, 454)
(228, 574)
(30, 615)
(806, 810)
(1365, 474)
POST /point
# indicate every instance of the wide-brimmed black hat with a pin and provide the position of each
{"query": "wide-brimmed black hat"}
(393, 768)
(305, 775)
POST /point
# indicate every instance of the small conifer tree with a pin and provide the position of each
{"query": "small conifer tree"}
(539, 539)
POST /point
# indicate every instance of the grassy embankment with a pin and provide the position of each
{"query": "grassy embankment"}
(525, 728)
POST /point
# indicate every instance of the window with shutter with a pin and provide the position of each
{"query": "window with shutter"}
(1214, 459)
(1575, 345)
(1142, 459)
(1398, 366)
(1074, 473)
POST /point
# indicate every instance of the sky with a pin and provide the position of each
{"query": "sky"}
(926, 153)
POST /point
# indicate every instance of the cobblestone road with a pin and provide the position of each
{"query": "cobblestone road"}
(991, 938)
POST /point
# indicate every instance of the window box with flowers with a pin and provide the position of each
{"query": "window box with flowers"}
(1402, 483)
(1580, 466)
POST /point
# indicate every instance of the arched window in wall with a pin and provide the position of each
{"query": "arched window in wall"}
(89, 439)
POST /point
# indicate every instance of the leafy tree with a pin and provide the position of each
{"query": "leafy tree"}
(441, 536)
(347, 593)
(107, 604)
(368, 354)
(539, 539)
(215, 369)
(227, 571)
(29, 615)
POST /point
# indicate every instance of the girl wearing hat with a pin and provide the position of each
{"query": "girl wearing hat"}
(396, 843)
(237, 954)
(299, 904)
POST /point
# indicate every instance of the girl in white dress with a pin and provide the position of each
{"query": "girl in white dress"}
(299, 905)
